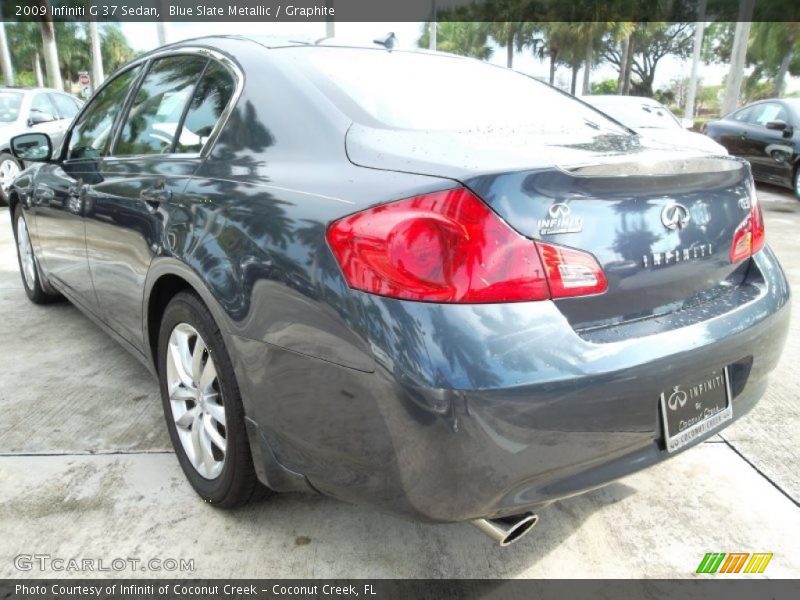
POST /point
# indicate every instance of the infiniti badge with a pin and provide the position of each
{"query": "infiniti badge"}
(675, 216)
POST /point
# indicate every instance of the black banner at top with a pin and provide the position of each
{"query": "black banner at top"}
(401, 10)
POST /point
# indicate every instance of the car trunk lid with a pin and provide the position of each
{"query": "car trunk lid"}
(660, 222)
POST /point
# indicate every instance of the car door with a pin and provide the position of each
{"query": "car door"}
(43, 116)
(60, 199)
(155, 154)
(768, 151)
(731, 131)
(67, 109)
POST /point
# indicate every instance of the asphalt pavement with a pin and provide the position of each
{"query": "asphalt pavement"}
(87, 472)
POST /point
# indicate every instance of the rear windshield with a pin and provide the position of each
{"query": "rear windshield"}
(406, 90)
(9, 106)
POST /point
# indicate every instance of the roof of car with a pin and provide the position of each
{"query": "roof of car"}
(14, 88)
(620, 99)
(277, 42)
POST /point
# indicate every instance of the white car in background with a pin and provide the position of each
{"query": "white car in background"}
(24, 110)
(651, 119)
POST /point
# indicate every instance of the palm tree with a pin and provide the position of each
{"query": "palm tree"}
(97, 55)
(774, 48)
(513, 35)
(114, 48)
(5, 56)
(50, 52)
(623, 34)
(459, 37)
(565, 47)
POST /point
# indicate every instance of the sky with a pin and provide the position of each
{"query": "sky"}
(143, 36)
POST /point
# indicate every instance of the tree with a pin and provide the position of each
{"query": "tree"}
(459, 37)
(774, 51)
(626, 58)
(114, 48)
(594, 35)
(26, 41)
(513, 35)
(506, 21)
(563, 47)
(97, 56)
(5, 57)
(650, 43)
(605, 87)
(50, 53)
(73, 48)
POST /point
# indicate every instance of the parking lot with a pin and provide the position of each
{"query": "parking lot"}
(87, 472)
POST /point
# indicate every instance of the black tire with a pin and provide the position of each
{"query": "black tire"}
(5, 156)
(237, 482)
(38, 290)
(797, 181)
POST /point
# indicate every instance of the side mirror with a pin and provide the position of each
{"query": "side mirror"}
(32, 147)
(777, 125)
(37, 117)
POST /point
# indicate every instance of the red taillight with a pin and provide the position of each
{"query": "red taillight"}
(449, 246)
(571, 272)
(750, 235)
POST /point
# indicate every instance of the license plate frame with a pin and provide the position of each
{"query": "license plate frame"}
(689, 411)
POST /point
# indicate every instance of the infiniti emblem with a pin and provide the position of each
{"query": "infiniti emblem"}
(675, 216)
(558, 210)
(677, 398)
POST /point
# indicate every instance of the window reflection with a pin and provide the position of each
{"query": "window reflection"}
(158, 106)
(91, 134)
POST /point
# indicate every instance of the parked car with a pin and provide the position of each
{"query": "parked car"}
(651, 119)
(35, 109)
(767, 134)
(380, 276)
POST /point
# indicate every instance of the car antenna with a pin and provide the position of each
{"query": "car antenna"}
(388, 41)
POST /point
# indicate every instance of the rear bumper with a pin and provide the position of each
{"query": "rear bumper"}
(491, 410)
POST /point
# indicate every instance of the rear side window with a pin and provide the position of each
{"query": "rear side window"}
(210, 98)
(65, 105)
(769, 111)
(742, 115)
(91, 134)
(42, 109)
(9, 106)
(155, 114)
(407, 90)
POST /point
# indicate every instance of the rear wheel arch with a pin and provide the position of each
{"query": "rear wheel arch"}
(796, 178)
(163, 291)
(167, 277)
(13, 201)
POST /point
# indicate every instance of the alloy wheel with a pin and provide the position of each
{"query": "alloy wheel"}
(196, 400)
(25, 253)
(8, 171)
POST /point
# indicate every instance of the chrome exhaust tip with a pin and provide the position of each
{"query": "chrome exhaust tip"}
(507, 530)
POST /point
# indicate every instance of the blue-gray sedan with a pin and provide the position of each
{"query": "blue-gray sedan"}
(410, 280)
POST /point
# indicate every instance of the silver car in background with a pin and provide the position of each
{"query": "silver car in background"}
(654, 121)
(25, 110)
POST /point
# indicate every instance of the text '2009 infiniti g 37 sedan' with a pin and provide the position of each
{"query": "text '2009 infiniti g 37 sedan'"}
(404, 279)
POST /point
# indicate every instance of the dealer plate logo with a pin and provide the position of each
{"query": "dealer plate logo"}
(560, 221)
